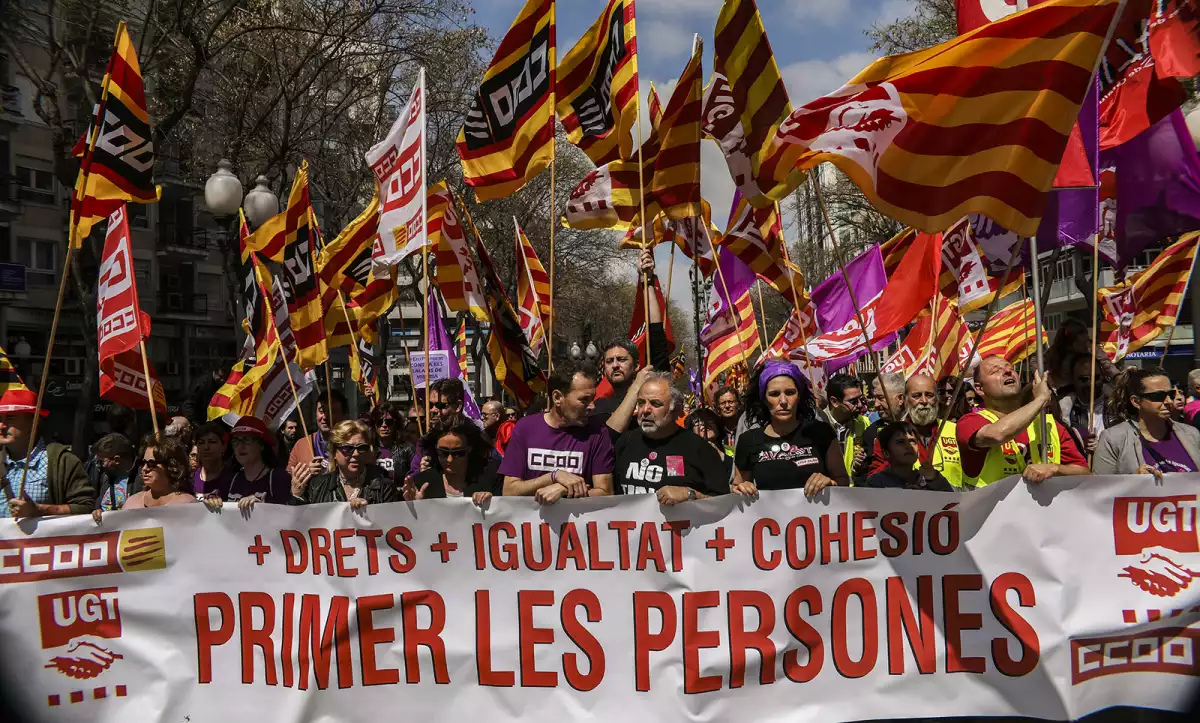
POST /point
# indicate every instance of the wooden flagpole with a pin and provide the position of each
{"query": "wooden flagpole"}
(287, 366)
(407, 354)
(762, 313)
(841, 261)
(149, 385)
(425, 328)
(1095, 329)
(647, 243)
(733, 307)
(72, 222)
(795, 301)
(670, 278)
(425, 249)
(550, 311)
(1035, 262)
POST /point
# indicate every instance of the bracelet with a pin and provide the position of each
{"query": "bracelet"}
(554, 477)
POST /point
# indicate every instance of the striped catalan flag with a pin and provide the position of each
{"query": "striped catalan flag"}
(746, 102)
(608, 196)
(457, 277)
(755, 236)
(533, 293)
(738, 346)
(1137, 311)
(688, 234)
(10, 380)
(1010, 333)
(508, 136)
(282, 230)
(977, 124)
(655, 106)
(113, 172)
(598, 86)
(345, 262)
(460, 343)
(942, 355)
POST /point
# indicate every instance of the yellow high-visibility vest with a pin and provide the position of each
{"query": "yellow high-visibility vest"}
(946, 457)
(1008, 459)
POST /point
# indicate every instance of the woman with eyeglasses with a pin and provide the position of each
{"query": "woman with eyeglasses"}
(260, 478)
(395, 452)
(353, 476)
(462, 465)
(165, 477)
(1142, 438)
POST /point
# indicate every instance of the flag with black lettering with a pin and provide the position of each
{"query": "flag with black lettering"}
(117, 151)
(508, 137)
(598, 86)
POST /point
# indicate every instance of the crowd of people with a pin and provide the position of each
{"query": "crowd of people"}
(778, 433)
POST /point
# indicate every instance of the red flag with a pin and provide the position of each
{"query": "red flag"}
(637, 323)
(911, 287)
(120, 324)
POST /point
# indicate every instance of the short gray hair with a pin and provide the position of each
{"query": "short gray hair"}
(676, 396)
(1194, 380)
(892, 382)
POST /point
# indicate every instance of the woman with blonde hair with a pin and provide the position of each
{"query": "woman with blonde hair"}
(353, 475)
(1142, 438)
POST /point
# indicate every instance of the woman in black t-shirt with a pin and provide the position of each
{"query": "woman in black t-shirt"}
(792, 449)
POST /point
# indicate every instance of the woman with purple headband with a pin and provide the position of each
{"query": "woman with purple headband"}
(793, 448)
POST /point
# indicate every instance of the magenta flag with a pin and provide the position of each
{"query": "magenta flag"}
(834, 307)
(439, 340)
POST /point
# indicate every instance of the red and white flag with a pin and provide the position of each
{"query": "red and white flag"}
(120, 324)
(398, 162)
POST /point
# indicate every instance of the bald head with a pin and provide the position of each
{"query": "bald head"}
(921, 400)
(493, 414)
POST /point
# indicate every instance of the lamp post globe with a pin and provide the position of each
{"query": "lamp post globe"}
(223, 191)
(261, 203)
(575, 352)
(592, 352)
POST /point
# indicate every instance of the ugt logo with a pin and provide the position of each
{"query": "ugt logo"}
(1153, 528)
(74, 623)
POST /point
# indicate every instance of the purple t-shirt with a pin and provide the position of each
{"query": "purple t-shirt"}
(1168, 455)
(220, 482)
(274, 486)
(536, 448)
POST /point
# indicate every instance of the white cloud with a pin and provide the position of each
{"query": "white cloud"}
(808, 80)
(663, 41)
(892, 10)
(825, 12)
(681, 7)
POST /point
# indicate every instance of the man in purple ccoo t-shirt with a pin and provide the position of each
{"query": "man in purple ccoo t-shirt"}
(563, 452)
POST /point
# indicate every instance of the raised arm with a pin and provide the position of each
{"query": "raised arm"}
(1010, 425)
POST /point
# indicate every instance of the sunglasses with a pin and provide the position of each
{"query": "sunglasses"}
(388, 422)
(153, 464)
(349, 449)
(452, 453)
(1155, 396)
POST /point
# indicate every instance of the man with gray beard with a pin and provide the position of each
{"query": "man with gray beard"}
(921, 406)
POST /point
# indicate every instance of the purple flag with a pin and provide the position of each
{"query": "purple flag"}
(832, 299)
(1072, 214)
(439, 340)
(1157, 187)
(733, 279)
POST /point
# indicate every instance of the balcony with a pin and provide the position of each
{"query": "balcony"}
(180, 304)
(194, 243)
(10, 103)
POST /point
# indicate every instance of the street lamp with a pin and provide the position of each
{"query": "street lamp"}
(261, 204)
(592, 352)
(575, 352)
(223, 191)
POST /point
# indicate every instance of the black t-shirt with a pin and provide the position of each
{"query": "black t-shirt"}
(644, 465)
(785, 463)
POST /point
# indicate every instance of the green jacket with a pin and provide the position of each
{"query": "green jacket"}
(65, 476)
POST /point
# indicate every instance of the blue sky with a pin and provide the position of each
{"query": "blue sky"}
(818, 44)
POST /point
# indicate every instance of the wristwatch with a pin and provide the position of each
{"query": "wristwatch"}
(691, 494)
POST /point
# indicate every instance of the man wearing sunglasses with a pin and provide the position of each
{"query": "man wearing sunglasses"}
(564, 452)
(1002, 439)
(310, 455)
(847, 413)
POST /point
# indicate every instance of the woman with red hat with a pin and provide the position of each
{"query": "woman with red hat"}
(56, 483)
(260, 479)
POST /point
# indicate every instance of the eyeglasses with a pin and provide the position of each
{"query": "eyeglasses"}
(452, 453)
(440, 405)
(237, 441)
(349, 449)
(1155, 396)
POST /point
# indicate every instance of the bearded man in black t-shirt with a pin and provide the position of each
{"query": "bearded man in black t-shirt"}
(660, 457)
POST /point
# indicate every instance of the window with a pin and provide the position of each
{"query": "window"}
(37, 186)
(141, 275)
(139, 215)
(40, 258)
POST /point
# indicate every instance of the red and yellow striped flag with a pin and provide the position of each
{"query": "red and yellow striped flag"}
(284, 228)
(755, 236)
(533, 292)
(977, 124)
(117, 152)
(457, 276)
(746, 102)
(345, 262)
(598, 86)
(943, 355)
(608, 196)
(1010, 333)
(655, 106)
(688, 234)
(738, 346)
(1138, 310)
(508, 136)
(460, 342)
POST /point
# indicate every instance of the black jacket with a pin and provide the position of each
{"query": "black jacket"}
(486, 481)
(328, 488)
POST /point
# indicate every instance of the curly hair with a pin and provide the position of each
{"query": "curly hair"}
(1130, 382)
(756, 406)
(173, 456)
(460, 426)
(343, 431)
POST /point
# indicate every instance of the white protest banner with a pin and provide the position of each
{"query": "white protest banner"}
(439, 367)
(1049, 601)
